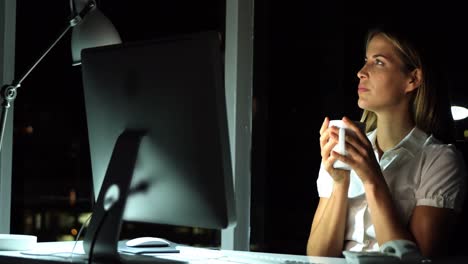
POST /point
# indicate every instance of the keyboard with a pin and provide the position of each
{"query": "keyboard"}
(208, 256)
(262, 258)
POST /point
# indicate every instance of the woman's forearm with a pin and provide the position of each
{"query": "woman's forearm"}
(328, 228)
(384, 216)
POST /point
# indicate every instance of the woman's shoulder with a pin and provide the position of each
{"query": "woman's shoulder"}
(435, 148)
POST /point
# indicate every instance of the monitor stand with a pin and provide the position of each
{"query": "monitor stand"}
(102, 235)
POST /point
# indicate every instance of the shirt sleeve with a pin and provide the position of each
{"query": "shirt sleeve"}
(324, 183)
(443, 178)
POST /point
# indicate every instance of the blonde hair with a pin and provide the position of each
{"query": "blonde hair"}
(426, 111)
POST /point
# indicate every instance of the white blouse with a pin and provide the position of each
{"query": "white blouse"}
(419, 170)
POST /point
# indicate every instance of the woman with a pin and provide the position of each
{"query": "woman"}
(405, 183)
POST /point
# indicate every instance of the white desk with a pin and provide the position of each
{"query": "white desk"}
(59, 252)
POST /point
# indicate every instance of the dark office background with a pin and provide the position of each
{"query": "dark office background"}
(306, 54)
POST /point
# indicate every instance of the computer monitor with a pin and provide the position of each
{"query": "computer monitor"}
(158, 136)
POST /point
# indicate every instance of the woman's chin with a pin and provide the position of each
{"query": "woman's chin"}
(361, 104)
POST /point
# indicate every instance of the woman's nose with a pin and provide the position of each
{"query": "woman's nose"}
(362, 73)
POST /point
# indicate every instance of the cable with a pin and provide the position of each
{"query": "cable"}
(78, 236)
(67, 255)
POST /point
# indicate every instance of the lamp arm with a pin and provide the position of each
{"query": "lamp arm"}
(9, 91)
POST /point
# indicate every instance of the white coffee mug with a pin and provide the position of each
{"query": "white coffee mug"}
(341, 146)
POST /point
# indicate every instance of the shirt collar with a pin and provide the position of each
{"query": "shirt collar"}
(412, 142)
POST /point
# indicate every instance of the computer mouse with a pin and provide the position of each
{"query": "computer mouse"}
(147, 242)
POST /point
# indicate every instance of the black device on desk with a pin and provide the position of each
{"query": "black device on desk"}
(158, 136)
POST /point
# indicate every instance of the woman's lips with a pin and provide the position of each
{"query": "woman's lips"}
(362, 89)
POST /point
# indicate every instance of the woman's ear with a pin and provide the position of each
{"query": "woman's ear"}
(415, 80)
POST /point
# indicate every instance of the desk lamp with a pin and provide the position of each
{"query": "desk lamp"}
(90, 29)
(459, 112)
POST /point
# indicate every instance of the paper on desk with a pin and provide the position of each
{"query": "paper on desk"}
(60, 250)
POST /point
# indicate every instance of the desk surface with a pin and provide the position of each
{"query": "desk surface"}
(60, 252)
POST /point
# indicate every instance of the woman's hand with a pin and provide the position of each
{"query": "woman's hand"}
(360, 154)
(328, 140)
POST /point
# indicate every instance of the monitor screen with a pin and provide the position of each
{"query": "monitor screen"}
(158, 135)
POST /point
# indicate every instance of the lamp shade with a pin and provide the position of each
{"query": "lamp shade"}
(94, 30)
(459, 112)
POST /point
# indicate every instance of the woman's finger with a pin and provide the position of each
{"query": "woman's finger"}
(324, 125)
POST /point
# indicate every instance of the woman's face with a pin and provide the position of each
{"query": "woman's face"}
(383, 82)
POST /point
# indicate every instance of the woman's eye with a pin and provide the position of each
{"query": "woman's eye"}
(378, 62)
